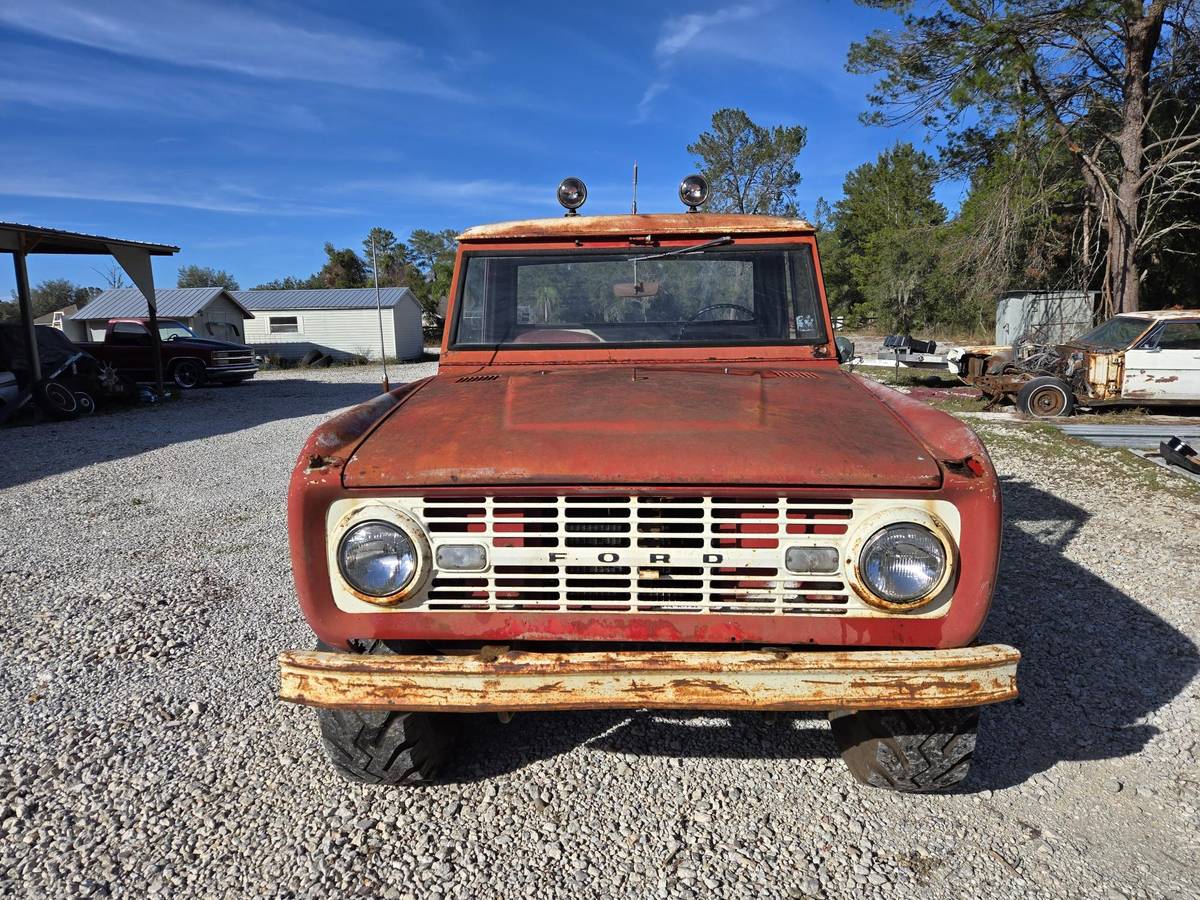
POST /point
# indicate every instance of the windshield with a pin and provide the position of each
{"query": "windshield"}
(1115, 334)
(721, 295)
(168, 331)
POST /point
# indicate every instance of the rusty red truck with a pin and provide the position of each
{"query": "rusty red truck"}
(187, 359)
(640, 479)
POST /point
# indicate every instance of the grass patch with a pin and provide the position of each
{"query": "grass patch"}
(1102, 464)
(890, 375)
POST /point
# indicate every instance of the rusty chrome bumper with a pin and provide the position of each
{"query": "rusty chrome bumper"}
(515, 681)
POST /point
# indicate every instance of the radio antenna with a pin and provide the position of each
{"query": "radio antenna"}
(635, 187)
(379, 312)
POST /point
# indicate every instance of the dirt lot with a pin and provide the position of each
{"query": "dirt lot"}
(145, 591)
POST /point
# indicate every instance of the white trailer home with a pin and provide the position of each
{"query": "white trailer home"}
(341, 322)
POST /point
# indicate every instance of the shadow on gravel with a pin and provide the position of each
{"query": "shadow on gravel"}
(490, 748)
(1094, 661)
(50, 448)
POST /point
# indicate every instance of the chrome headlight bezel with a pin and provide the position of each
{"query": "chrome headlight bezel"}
(870, 529)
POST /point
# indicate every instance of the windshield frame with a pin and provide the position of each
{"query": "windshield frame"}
(1079, 341)
(815, 348)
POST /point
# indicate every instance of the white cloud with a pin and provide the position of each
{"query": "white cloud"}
(235, 40)
(678, 34)
(108, 187)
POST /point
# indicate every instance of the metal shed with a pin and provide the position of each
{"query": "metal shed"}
(209, 311)
(340, 322)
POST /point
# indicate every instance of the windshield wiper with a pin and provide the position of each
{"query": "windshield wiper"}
(681, 251)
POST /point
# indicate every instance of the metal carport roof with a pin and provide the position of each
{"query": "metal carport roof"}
(133, 256)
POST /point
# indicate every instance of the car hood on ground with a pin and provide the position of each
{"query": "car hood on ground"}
(640, 426)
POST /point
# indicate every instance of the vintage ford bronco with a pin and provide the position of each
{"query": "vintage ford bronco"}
(640, 480)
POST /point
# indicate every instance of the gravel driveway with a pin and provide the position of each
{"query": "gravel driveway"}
(145, 591)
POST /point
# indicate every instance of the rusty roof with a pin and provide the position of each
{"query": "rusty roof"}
(652, 224)
(1164, 313)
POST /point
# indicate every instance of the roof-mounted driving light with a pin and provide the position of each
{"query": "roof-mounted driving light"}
(571, 194)
(693, 191)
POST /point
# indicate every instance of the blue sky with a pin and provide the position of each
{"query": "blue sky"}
(251, 134)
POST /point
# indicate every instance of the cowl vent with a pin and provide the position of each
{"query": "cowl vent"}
(791, 373)
(467, 378)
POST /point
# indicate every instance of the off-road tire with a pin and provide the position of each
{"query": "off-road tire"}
(188, 374)
(911, 751)
(386, 747)
(1046, 397)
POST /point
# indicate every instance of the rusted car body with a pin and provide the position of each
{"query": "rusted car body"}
(631, 495)
(1149, 358)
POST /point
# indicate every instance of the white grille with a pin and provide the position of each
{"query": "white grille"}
(635, 554)
(638, 554)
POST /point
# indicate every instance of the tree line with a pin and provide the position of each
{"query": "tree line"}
(1075, 126)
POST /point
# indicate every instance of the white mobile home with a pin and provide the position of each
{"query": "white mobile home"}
(341, 322)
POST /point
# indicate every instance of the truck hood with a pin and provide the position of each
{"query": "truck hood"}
(205, 343)
(643, 426)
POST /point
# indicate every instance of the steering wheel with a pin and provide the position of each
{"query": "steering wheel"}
(707, 309)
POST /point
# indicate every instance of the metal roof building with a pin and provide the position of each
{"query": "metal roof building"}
(209, 311)
(127, 303)
(331, 298)
(338, 322)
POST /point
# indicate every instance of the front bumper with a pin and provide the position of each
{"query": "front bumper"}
(768, 679)
(238, 370)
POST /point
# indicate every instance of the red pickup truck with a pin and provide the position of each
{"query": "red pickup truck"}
(188, 359)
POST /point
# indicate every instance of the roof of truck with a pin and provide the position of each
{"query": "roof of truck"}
(650, 224)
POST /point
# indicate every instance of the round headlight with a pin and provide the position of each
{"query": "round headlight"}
(571, 194)
(693, 191)
(902, 563)
(377, 559)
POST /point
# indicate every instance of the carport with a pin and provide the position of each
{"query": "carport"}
(132, 256)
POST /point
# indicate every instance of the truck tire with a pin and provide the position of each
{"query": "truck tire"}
(1046, 397)
(188, 374)
(386, 746)
(912, 751)
(56, 400)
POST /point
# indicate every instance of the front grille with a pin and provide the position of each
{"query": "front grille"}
(232, 358)
(637, 553)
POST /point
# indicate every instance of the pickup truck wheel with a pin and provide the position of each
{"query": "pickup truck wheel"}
(1046, 397)
(188, 373)
(386, 747)
(911, 751)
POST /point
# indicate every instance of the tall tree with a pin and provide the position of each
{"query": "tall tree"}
(205, 276)
(432, 252)
(343, 269)
(750, 168)
(391, 255)
(1102, 77)
(48, 296)
(885, 237)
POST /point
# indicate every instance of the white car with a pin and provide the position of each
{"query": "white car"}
(1149, 358)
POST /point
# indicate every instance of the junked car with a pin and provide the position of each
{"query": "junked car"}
(640, 480)
(1149, 358)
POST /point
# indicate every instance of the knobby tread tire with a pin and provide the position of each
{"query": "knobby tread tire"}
(385, 746)
(912, 751)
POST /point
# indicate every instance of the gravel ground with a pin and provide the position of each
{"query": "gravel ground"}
(145, 591)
